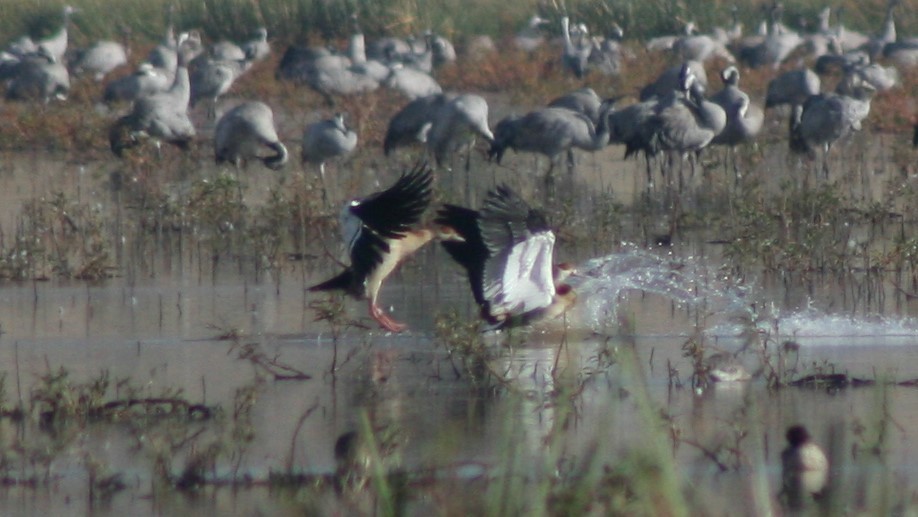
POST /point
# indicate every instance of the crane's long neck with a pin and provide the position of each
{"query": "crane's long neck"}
(566, 31)
(601, 137)
(889, 25)
(181, 87)
(357, 48)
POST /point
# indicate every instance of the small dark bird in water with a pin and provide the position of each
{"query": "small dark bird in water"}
(805, 468)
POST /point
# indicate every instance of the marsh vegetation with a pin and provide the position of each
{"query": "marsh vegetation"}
(161, 354)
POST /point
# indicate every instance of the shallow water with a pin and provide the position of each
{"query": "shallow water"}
(158, 322)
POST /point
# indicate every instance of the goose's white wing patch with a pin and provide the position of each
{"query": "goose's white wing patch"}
(519, 279)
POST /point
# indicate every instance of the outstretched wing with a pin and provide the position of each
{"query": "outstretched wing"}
(388, 215)
(518, 272)
(391, 212)
(471, 253)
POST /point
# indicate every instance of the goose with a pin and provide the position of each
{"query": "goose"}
(244, 131)
(506, 250)
(804, 468)
(379, 236)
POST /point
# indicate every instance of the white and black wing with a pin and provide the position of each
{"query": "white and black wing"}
(518, 273)
(388, 215)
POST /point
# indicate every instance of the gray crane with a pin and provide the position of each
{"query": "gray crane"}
(39, 77)
(103, 57)
(700, 47)
(411, 83)
(335, 75)
(551, 132)
(225, 50)
(776, 46)
(326, 140)
(163, 56)
(670, 80)
(162, 116)
(56, 44)
(882, 78)
(146, 80)
(456, 123)
(685, 124)
(793, 87)
(583, 100)
(211, 78)
(626, 126)
(158, 73)
(608, 54)
(576, 55)
(258, 47)
(744, 119)
(824, 119)
(530, 37)
(244, 131)
(412, 123)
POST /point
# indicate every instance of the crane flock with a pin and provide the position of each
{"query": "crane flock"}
(675, 115)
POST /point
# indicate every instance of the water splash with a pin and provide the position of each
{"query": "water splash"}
(813, 327)
(605, 281)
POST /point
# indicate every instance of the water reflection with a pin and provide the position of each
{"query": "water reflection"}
(564, 393)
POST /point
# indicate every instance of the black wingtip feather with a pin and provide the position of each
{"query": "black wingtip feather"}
(470, 253)
(394, 210)
(343, 281)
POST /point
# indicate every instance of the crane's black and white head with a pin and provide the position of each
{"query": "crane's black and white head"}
(687, 78)
(730, 76)
(339, 122)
